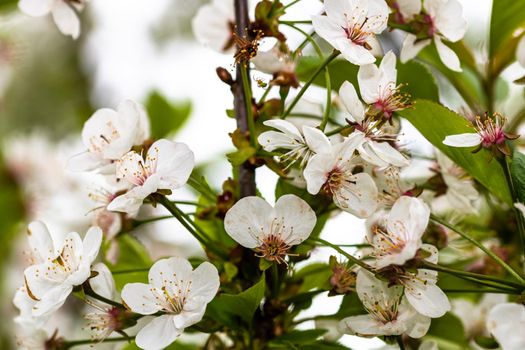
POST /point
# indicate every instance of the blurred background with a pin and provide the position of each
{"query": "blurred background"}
(143, 50)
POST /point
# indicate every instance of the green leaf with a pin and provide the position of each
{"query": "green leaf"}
(518, 175)
(132, 256)
(418, 80)
(350, 306)
(228, 309)
(240, 156)
(166, 117)
(507, 17)
(313, 276)
(436, 122)
(296, 338)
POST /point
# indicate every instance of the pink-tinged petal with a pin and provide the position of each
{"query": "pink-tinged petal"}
(35, 8)
(411, 47)
(141, 298)
(205, 282)
(85, 161)
(297, 217)
(247, 221)
(328, 30)
(40, 241)
(91, 244)
(175, 268)
(52, 300)
(462, 140)
(359, 197)
(66, 19)
(316, 140)
(447, 55)
(158, 333)
(351, 101)
(103, 283)
(427, 298)
(408, 218)
(174, 163)
(449, 21)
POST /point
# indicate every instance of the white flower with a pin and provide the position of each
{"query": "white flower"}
(64, 13)
(389, 184)
(176, 290)
(214, 24)
(105, 318)
(520, 52)
(445, 21)
(34, 338)
(273, 61)
(302, 145)
(60, 268)
(506, 323)
(332, 171)
(167, 165)
(350, 26)
(473, 315)
(109, 134)
(405, 226)
(407, 8)
(25, 305)
(271, 232)
(388, 312)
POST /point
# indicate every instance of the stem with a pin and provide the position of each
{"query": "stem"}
(90, 292)
(348, 256)
(482, 290)
(246, 171)
(248, 98)
(275, 280)
(480, 246)
(473, 276)
(121, 272)
(328, 106)
(310, 81)
(265, 94)
(295, 22)
(291, 4)
(203, 189)
(308, 38)
(337, 130)
(70, 344)
(400, 342)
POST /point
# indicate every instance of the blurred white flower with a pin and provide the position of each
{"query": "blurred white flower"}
(388, 312)
(473, 315)
(350, 26)
(273, 61)
(167, 166)
(407, 8)
(332, 172)
(25, 305)
(64, 13)
(110, 134)
(405, 226)
(58, 268)
(520, 52)
(271, 232)
(176, 290)
(445, 21)
(506, 322)
(214, 25)
(33, 338)
(301, 145)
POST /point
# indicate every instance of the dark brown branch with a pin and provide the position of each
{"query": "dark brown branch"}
(246, 170)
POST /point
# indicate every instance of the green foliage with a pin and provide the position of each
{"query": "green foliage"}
(296, 339)
(6, 5)
(448, 332)
(166, 117)
(419, 82)
(313, 276)
(506, 18)
(177, 345)
(230, 309)
(436, 122)
(518, 175)
(350, 306)
(132, 256)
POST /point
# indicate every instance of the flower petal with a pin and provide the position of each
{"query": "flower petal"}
(133, 111)
(91, 244)
(298, 218)
(52, 300)
(359, 197)
(316, 140)
(158, 333)
(449, 21)
(520, 52)
(408, 218)
(328, 30)
(174, 163)
(35, 8)
(427, 298)
(355, 54)
(411, 47)
(163, 270)
(205, 282)
(505, 322)
(85, 161)
(351, 101)
(66, 19)
(103, 283)
(140, 298)
(247, 220)
(447, 55)
(40, 241)
(462, 140)
(368, 78)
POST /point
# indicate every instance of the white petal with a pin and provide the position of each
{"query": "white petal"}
(506, 323)
(168, 269)
(462, 140)
(408, 218)
(411, 48)
(205, 282)
(269, 62)
(316, 139)
(360, 196)
(36, 283)
(417, 324)
(520, 207)
(520, 52)
(175, 162)
(140, 298)
(409, 8)
(447, 55)
(368, 77)
(35, 8)
(377, 9)
(52, 300)
(450, 22)
(272, 140)
(103, 283)
(133, 111)
(66, 19)
(40, 240)
(427, 298)
(328, 30)
(158, 334)
(388, 71)
(351, 101)
(363, 325)
(131, 201)
(389, 154)
(373, 291)
(337, 9)
(355, 54)
(316, 171)
(247, 221)
(297, 217)
(285, 127)
(211, 26)
(85, 161)
(91, 244)
(189, 317)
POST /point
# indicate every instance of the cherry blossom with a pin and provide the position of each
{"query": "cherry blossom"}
(506, 322)
(177, 291)
(213, 25)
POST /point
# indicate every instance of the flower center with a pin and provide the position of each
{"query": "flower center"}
(357, 34)
(491, 130)
(334, 181)
(99, 143)
(273, 248)
(391, 99)
(385, 243)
